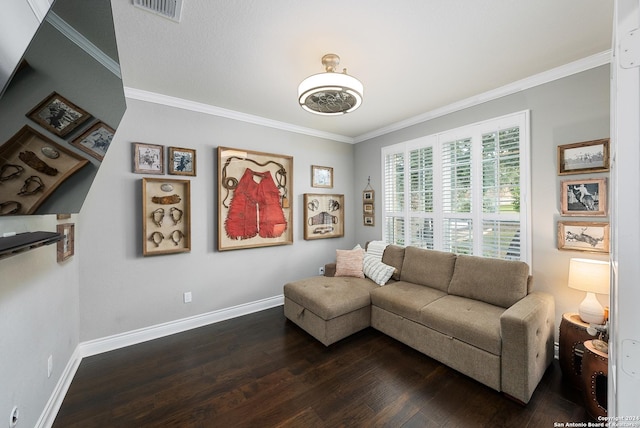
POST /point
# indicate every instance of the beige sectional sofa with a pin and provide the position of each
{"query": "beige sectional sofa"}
(477, 315)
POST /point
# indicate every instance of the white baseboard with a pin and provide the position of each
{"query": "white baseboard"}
(50, 411)
(117, 341)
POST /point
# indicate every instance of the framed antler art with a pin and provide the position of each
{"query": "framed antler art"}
(323, 216)
(254, 199)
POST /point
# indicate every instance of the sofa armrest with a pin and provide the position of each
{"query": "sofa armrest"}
(330, 269)
(527, 330)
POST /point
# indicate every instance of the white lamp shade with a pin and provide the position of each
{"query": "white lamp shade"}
(589, 275)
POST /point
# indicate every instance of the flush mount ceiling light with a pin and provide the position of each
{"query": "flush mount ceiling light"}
(330, 93)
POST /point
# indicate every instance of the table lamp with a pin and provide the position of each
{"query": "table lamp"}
(591, 276)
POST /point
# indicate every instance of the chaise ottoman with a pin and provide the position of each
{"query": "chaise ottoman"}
(329, 308)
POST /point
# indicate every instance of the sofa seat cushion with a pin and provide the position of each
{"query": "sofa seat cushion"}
(428, 267)
(330, 297)
(494, 281)
(471, 321)
(405, 298)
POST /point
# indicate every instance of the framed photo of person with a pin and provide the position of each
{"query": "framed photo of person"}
(584, 197)
(588, 156)
(148, 158)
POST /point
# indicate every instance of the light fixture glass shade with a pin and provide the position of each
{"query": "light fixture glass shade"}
(330, 93)
(591, 276)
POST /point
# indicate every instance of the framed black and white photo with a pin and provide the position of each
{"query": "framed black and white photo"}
(584, 197)
(588, 156)
(95, 140)
(148, 158)
(583, 236)
(182, 161)
(58, 115)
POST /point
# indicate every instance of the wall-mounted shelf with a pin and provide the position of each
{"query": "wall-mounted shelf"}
(11, 245)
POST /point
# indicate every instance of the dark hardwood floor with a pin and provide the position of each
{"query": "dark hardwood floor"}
(261, 370)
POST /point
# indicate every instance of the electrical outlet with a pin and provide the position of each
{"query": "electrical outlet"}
(321, 270)
(187, 297)
(49, 365)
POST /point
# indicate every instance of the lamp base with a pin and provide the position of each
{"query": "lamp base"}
(590, 310)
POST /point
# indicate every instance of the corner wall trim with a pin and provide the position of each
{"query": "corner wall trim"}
(50, 411)
(121, 340)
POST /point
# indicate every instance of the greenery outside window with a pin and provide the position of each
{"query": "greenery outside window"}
(465, 191)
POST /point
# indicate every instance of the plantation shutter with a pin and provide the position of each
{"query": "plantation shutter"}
(461, 191)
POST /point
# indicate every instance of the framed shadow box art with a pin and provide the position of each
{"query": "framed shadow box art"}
(58, 115)
(166, 216)
(182, 161)
(95, 140)
(323, 216)
(583, 236)
(148, 158)
(254, 199)
(585, 157)
(584, 197)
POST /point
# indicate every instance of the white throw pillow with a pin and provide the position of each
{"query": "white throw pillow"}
(376, 270)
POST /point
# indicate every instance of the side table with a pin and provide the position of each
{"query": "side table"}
(595, 369)
(573, 334)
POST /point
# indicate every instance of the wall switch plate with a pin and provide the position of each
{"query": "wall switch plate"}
(321, 270)
(187, 297)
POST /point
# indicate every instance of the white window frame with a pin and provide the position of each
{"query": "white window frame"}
(475, 130)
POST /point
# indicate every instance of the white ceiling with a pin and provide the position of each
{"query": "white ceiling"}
(413, 56)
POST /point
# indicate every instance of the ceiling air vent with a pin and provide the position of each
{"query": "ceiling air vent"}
(167, 8)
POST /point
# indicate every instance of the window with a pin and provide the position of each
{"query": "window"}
(463, 191)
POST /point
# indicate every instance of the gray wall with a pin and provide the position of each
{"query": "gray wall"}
(109, 288)
(565, 111)
(122, 291)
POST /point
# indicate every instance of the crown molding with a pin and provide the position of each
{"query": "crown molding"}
(153, 97)
(566, 70)
(83, 43)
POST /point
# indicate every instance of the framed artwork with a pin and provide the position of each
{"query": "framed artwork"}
(583, 236)
(95, 140)
(65, 247)
(579, 158)
(322, 176)
(368, 196)
(58, 115)
(323, 216)
(368, 220)
(584, 197)
(254, 199)
(182, 161)
(32, 166)
(367, 208)
(148, 158)
(166, 216)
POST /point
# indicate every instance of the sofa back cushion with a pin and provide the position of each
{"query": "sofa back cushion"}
(498, 282)
(428, 267)
(393, 256)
